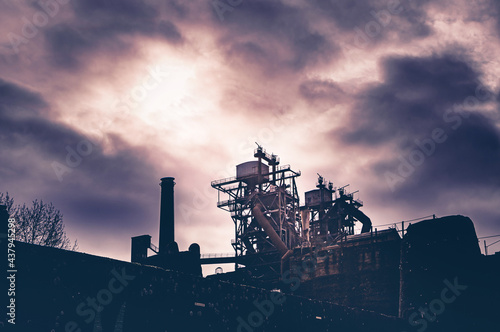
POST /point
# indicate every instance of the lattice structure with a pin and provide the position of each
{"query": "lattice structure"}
(331, 213)
(271, 186)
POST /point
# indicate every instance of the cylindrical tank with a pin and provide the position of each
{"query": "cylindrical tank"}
(318, 196)
(249, 171)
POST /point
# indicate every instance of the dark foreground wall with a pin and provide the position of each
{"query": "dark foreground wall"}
(362, 272)
(60, 290)
(435, 278)
(446, 284)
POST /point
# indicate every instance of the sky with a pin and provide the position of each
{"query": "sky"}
(99, 99)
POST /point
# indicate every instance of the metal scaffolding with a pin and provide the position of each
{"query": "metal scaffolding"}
(271, 187)
(331, 213)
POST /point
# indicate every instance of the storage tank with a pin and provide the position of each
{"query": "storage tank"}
(249, 171)
(315, 197)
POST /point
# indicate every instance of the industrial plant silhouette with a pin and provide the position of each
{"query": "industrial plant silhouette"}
(298, 267)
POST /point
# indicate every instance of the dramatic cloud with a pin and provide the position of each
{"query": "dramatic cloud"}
(413, 99)
(430, 110)
(96, 191)
(350, 15)
(100, 99)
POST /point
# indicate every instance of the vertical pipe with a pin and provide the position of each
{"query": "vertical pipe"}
(485, 249)
(236, 246)
(281, 217)
(167, 216)
(259, 168)
(323, 221)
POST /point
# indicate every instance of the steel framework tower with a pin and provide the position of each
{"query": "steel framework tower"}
(272, 189)
(328, 215)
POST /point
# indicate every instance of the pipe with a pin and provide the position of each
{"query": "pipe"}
(305, 215)
(287, 255)
(167, 216)
(284, 260)
(363, 218)
(273, 236)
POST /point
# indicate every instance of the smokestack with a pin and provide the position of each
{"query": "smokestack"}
(167, 217)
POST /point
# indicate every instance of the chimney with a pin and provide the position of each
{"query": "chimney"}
(167, 217)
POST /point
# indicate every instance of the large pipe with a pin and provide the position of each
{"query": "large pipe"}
(273, 236)
(363, 218)
(305, 216)
(167, 216)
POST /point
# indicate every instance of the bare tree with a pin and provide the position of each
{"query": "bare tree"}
(8, 201)
(40, 223)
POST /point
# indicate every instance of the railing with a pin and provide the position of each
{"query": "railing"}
(217, 255)
(280, 168)
(216, 182)
(223, 203)
(403, 224)
(154, 248)
(267, 156)
(234, 178)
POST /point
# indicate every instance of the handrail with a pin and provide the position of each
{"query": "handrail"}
(234, 178)
(216, 182)
(217, 255)
(154, 248)
(398, 222)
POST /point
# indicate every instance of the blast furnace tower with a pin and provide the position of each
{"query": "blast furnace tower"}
(264, 204)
